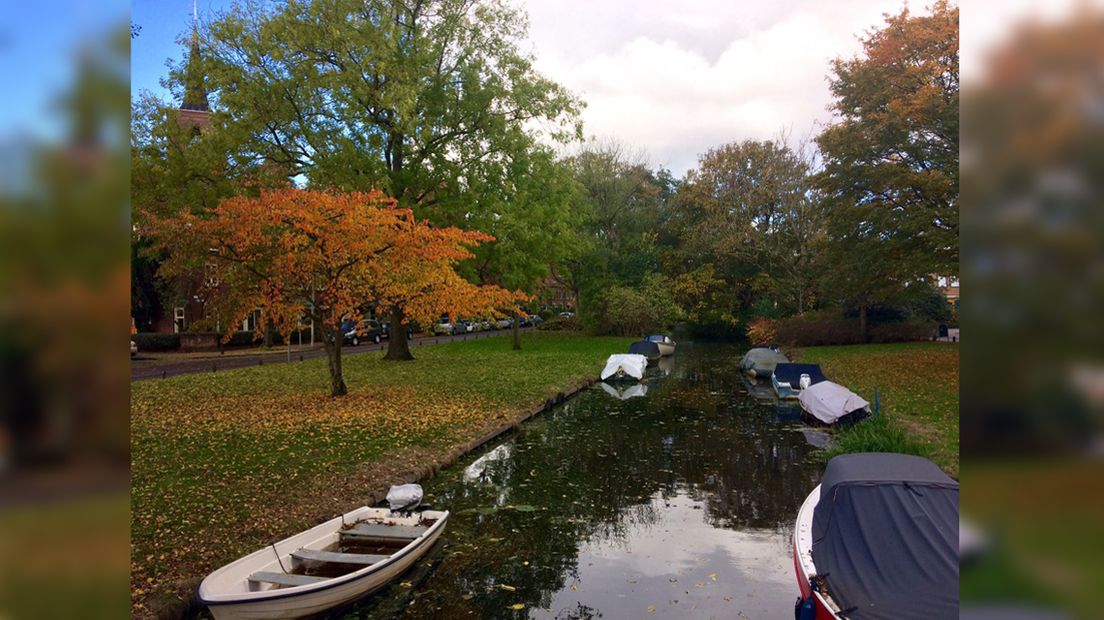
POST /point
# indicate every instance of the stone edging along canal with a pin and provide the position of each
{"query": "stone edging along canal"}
(458, 451)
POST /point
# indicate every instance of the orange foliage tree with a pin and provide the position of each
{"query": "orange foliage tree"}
(297, 253)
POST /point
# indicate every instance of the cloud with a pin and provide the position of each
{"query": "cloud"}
(679, 78)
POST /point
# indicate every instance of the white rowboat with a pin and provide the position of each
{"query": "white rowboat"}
(326, 566)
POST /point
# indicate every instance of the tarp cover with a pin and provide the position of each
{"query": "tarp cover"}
(885, 536)
(404, 496)
(791, 373)
(828, 402)
(645, 348)
(762, 361)
(632, 364)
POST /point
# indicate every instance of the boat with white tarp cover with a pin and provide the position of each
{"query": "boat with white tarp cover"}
(830, 402)
(624, 366)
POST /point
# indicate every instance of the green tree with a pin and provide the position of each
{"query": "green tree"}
(622, 210)
(530, 210)
(742, 229)
(428, 101)
(890, 172)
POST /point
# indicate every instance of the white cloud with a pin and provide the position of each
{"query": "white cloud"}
(680, 78)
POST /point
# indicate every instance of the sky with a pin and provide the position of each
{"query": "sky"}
(669, 79)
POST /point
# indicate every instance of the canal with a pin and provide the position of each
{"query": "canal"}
(674, 503)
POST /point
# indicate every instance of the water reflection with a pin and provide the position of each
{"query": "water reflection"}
(680, 502)
(623, 392)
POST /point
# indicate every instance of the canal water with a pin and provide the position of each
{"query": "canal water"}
(673, 500)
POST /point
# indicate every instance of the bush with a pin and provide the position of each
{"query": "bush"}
(154, 342)
(763, 331)
(875, 434)
(561, 324)
(826, 327)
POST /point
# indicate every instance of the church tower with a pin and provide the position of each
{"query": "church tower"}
(194, 110)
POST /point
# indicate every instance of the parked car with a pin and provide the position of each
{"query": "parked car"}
(463, 326)
(133, 348)
(504, 323)
(535, 320)
(443, 328)
(385, 331)
(367, 330)
(567, 315)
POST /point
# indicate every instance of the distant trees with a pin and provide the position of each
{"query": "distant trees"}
(742, 227)
(622, 214)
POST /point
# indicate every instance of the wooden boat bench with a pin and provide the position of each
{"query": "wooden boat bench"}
(284, 579)
(333, 557)
(379, 531)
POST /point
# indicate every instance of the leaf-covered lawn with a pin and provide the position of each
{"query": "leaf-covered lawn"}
(223, 463)
(917, 389)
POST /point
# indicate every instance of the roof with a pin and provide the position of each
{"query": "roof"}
(885, 537)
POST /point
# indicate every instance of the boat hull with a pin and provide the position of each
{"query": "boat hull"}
(804, 568)
(665, 348)
(300, 601)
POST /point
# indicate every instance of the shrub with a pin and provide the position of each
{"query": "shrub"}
(763, 331)
(154, 342)
(559, 323)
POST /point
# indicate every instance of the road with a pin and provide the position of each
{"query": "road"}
(160, 366)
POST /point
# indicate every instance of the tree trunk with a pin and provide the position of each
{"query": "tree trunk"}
(270, 333)
(862, 324)
(332, 342)
(398, 349)
(517, 331)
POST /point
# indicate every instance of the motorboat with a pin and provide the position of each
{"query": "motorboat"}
(664, 342)
(624, 367)
(789, 379)
(760, 361)
(878, 539)
(830, 403)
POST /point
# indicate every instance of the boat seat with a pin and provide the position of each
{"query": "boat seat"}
(333, 557)
(284, 579)
(380, 531)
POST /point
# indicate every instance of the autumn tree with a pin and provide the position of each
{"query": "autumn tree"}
(428, 100)
(890, 172)
(295, 253)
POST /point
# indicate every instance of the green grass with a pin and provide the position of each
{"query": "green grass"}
(917, 385)
(225, 462)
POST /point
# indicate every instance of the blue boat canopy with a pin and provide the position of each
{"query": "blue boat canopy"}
(658, 338)
(885, 537)
(791, 373)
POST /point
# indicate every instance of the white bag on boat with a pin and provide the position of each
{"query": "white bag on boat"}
(404, 496)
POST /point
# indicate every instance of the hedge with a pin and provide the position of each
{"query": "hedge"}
(152, 342)
(827, 328)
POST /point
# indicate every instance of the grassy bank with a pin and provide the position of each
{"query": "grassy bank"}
(223, 463)
(917, 392)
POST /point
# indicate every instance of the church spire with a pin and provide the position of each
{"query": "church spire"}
(195, 95)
